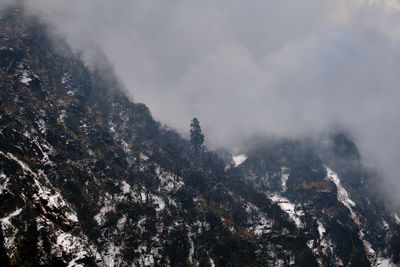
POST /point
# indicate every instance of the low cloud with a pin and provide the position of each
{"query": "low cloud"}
(273, 68)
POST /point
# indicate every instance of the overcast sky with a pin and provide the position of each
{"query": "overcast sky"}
(275, 68)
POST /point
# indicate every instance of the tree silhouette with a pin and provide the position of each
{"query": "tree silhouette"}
(196, 137)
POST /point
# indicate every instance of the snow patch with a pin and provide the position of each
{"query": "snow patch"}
(212, 263)
(108, 206)
(71, 216)
(146, 259)
(4, 182)
(125, 187)
(191, 250)
(239, 159)
(112, 255)
(168, 181)
(262, 227)
(382, 262)
(396, 218)
(310, 243)
(288, 207)
(44, 193)
(121, 222)
(70, 93)
(25, 77)
(125, 147)
(42, 126)
(385, 225)
(71, 245)
(284, 177)
(61, 117)
(143, 157)
(342, 194)
(9, 231)
(46, 150)
(158, 202)
(321, 229)
(344, 198)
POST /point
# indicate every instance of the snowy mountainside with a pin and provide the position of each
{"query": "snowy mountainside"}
(88, 178)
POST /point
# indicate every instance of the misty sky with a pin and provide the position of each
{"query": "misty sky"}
(275, 68)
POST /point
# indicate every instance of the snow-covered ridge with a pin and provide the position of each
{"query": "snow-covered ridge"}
(344, 198)
(44, 193)
(342, 194)
(294, 213)
(65, 243)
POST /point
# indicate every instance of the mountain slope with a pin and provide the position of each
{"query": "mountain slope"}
(89, 178)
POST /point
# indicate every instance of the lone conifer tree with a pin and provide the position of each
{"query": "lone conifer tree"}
(196, 137)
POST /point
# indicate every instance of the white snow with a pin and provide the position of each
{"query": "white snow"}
(158, 202)
(310, 243)
(9, 229)
(263, 226)
(63, 79)
(125, 187)
(108, 206)
(43, 192)
(191, 250)
(342, 194)
(66, 243)
(143, 157)
(344, 198)
(284, 177)
(25, 77)
(112, 126)
(42, 126)
(61, 117)
(143, 197)
(71, 93)
(239, 159)
(49, 151)
(396, 218)
(146, 258)
(140, 225)
(292, 260)
(212, 263)
(125, 147)
(4, 182)
(168, 181)
(200, 226)
(385, 225)
(382, 262)
(326, 246)
(321, 229)
(111, 255)
(71, 245)
(20, 163)
(121, 222)
(71, 216)
(289, 208)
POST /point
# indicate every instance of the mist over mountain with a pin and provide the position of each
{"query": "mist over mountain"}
(302, 97)
(264, 68)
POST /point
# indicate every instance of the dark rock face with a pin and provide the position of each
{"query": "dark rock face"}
(89, 178)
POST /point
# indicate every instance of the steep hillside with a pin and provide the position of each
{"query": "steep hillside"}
(89, 178)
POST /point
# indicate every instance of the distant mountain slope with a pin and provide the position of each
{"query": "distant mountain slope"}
(89, 178)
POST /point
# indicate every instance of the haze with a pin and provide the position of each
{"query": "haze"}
(244, 68)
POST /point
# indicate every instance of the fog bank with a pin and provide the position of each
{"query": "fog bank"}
(274, 68)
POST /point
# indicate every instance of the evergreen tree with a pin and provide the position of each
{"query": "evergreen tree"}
(196, 137)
